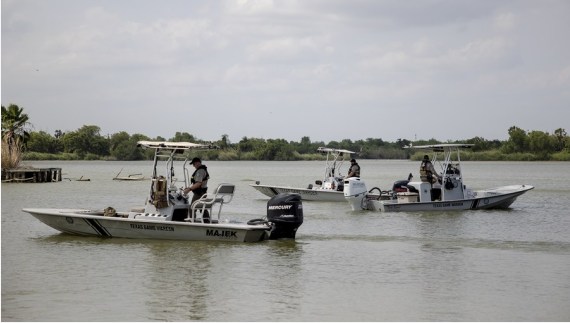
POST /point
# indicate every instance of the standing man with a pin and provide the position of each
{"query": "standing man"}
(354, 170)
(199, 182)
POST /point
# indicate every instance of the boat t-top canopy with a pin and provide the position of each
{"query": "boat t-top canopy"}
(334, 161)
(441, 147)
(169, 145)
(448, 162)
(169, 152)
(334, 150)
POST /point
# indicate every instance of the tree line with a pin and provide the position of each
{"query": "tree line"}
(87, 143)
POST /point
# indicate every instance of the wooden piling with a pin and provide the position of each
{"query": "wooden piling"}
(31, 175)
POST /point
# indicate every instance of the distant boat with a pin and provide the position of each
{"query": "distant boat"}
(329, 189)
(449, 193)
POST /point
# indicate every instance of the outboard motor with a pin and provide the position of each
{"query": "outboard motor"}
(285, 213)
(355, 192)
(354, 186)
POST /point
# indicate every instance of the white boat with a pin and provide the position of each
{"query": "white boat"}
(448, 194)
(168, 214)
(328, 189)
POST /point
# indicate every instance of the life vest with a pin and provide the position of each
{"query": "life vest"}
(425, 172)
(356, 169)
(202, 189)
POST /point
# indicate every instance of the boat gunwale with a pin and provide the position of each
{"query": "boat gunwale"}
(514, 194)
(75, 213)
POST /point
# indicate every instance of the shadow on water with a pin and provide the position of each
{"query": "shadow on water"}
(179, 280)
(208, 276)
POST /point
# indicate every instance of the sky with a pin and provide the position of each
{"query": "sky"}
(286, 69)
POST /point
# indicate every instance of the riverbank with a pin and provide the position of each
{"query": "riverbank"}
(491, 155)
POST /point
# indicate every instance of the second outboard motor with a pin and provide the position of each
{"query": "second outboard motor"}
(285, 213)
(354, 186)
(355, 192)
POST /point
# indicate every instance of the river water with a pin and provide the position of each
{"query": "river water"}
(499, 265)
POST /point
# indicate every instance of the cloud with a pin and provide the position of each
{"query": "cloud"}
(287, 68)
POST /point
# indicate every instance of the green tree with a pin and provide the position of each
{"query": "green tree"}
(124, 146)
(403, 143)
(120, 146)
(118, 138)
(305, 146)
(276, 149)
(224, 142)
(183, 136)
(348, 144)
(14, 135)
(561, 136)
(86, 140)
(43, 142)
(541, 143)
(251, 144)
(15, 124)
(517, 142)
(333, 144)
(480, 144)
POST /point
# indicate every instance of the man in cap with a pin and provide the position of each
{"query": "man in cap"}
(354, 170)
(199, 182)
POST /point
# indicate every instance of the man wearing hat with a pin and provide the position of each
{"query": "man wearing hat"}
(199, 181)
(428, 172)
(354, 170)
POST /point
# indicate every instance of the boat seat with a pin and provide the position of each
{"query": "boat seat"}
(223, 194)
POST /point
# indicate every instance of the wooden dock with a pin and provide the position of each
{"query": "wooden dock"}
(31, 175)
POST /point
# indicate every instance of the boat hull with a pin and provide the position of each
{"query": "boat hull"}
(87, 223)
(307, 194)
(497, 198)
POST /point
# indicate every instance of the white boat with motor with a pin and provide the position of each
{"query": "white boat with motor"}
(329, 189)
(449, 193)
(167, 214)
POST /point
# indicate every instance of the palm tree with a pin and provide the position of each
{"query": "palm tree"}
(14, 135)
(15, 124)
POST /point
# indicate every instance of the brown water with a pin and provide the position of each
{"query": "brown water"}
(511, 265)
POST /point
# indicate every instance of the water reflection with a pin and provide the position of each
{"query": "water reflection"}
(441, 267)
(213, 281)
(178, 282)
(285, 286)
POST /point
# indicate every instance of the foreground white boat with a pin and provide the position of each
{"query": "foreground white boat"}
(329, 189)
(450, 194)
(168, 214)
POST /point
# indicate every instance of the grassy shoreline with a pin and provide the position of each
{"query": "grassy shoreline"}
(493, 155)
